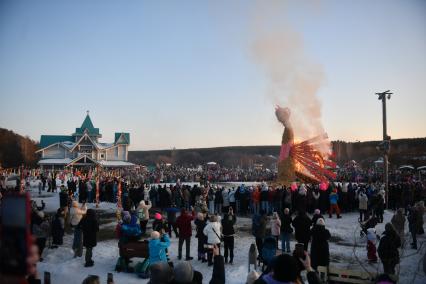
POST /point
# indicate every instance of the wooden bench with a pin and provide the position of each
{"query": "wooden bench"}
(135, 249)
(341, 275)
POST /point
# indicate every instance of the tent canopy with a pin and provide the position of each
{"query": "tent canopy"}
(406, 167)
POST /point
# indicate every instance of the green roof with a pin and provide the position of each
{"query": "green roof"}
(87, 124)
(126, 136)
(46, 140)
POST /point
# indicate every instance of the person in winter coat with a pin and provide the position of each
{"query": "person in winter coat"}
(184, 273)
(183, 223)
(302, 224)
(315, 197)
(58, 228)
(320, 254)
(286, 269)
(398, 222)
(129, 230)
(143, 214)
(388, 249)
(157, 248)
(76, 214)
(256, 200)
(420, 208)
(159, 223)
(275, 227)
(200, 223)
(40, 229)
(171, 220)
(218, 201)
(218, 275)
(160, 273)
(225, 198)
(286, 230)
(362, 205)
(379, 207)
(213, 231)
(211, 197)
(371, 245)
(259, 229)
(228, 232)
(412, 225)
(317, 215)
(264, 202)
(232, 200)
(334, 198)
(90, 228)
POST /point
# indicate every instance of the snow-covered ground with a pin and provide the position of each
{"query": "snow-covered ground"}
(347, 250)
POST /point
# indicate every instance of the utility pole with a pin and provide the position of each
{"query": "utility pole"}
(385, 145)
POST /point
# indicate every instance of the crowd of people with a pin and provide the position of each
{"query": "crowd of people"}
(157, 211)
(172, 173)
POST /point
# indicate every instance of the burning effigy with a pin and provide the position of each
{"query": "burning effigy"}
(301, 161)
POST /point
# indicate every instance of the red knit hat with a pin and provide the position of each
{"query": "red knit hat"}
(158, 216)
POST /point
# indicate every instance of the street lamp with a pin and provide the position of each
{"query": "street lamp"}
(385, 145)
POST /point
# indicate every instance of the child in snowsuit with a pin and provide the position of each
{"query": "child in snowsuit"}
(371, 245)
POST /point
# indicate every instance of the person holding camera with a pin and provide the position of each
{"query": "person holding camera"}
(157, 247)
(76, 214)
(213, 232)
(286, 269)
(228, 223)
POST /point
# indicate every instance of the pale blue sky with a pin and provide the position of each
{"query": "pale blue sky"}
(181, 73)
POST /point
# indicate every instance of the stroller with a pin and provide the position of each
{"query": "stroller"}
(269, 251)
(370, 223)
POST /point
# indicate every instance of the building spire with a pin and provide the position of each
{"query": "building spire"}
(87, 112)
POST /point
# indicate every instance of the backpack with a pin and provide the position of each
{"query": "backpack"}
(142, 269)
(121, 265)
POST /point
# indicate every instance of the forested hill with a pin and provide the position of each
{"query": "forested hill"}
(403, 151)
(16, 150)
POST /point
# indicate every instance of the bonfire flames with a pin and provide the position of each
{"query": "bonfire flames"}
(303, 160)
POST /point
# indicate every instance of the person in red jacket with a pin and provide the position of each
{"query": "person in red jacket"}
(183, 223)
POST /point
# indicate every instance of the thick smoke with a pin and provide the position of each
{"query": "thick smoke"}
(293, 79)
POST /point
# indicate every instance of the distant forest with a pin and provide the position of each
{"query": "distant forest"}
(16, 150)
(403, 151)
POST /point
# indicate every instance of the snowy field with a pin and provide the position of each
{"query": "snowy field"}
(347, 250)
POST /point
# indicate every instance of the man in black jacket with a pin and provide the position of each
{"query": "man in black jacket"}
(285, 269)
(90, 227)
(259, 230)
(228, 233)
(286, 230)
(388, 249)
(302, 225)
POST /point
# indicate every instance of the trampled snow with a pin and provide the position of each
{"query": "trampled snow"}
(347, 250)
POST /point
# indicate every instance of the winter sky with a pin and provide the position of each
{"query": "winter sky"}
(182, 73)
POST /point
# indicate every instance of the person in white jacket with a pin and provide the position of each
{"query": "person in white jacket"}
(276, 226)
(362, 205)
(213, 232)
(143, 214)
(76, 214)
